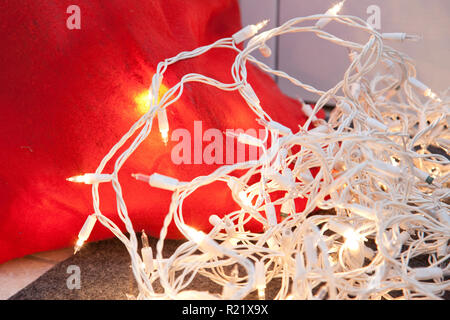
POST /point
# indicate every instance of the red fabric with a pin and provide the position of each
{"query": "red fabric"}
(67, 96)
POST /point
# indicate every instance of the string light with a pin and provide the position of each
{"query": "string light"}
(248, 31)
(399, 36)
(163, 124)
(333, 11)
(157, 180)
(85, 232)
(424, 89)
(147, 253)
(368, 143)
(90, 178)
(260, 282)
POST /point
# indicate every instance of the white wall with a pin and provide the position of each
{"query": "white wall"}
(322, 64)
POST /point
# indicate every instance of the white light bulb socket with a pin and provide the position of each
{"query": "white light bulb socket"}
(308, 110)
(399, 36)
(163, 122)
(360, 210)
(283, 130)
(333, 11)
(86, 230)
(428, 273)
(250, 140)
(215, 221)
(300, 270)
(160, 181)
(386, 168)
(205, 243)
(423, 88)
(284, 182)
(147, 258)
(375, 124)
(248, 32)
(271, 214)
(245, 33)
(310, 250)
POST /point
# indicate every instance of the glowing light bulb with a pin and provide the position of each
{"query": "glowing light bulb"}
(426, 91)
(147, 254)
(431, 94)
(85, 232)
(262, 293)
(91, 178)
(352, 239)
(260, 279)
(78, 179)
(333, 11)
(262, 24)
(165, 136)
(163, 124)
(195, 235)
(78, 246)
(204, 242)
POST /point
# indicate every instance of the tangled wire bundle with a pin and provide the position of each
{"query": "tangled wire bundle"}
(381, 174)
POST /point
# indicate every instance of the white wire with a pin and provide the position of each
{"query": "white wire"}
(376, 203)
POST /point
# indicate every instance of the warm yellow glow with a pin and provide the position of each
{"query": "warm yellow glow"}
(195, 235)
(431, 94)
(165, 136)
(144, 98)
(352, 240)
(79, 179)
(261, 293)
(78, 246)
(143, 101)
(382, 186)
(262, 24)
(336, 8)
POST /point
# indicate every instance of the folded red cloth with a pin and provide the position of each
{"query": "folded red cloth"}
(69, 95)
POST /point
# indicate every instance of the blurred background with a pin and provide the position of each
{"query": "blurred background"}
(322, 64)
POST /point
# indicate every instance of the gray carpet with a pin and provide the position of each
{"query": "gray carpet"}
(106, 275)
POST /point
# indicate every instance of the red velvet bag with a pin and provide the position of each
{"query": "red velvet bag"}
(67, 96)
